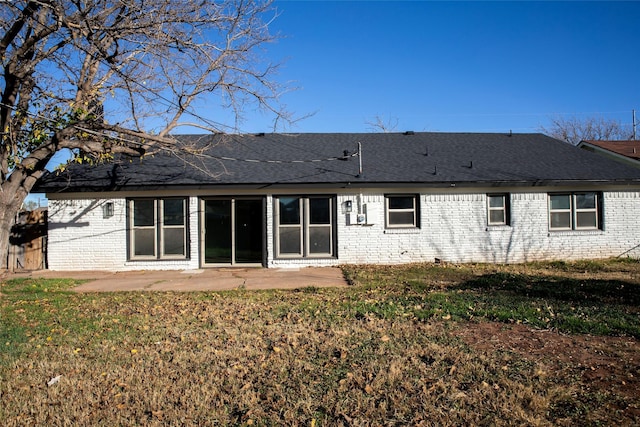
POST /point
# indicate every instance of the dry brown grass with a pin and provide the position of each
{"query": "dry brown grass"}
(292, 358)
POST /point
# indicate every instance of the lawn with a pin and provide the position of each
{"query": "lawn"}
(421, 344)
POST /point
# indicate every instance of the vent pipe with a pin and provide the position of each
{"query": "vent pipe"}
(359, 159)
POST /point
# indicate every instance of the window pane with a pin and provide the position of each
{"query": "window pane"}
(289, 210)
(561, 220)
(561, 201)
(320, 240)
(586, 201)
(586, 220)
(143, 213)
(290, 240)
(144, 242)
(401, 218)
(496, 216)
(320, 211)
(496, 201)
(174, 241)
(401, 202)
(173, 210)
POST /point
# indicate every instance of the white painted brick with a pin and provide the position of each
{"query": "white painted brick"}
(452, 227)
(79, 238)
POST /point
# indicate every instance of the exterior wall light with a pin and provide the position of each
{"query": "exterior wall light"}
(348, 206)
(107, 210)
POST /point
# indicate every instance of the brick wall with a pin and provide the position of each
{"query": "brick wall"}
(453, 227)
(81, 238)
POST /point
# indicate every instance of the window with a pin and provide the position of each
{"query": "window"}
(401, 211)
(158, 229)
(498, 209)
(575, 211)
(290, 226)
(304, 226)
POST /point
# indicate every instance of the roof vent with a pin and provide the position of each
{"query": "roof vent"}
(260, 134)
(409, 132)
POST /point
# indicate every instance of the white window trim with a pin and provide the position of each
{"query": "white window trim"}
(413, 210)
(504, 209)
(594, 210)
(164, 227)
(564, 211)
(134, 228)
(279, 226)
(573, 212)
(308, 226)
(158, 235)
(304, 227)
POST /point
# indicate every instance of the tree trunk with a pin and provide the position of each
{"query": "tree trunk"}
(10, 202)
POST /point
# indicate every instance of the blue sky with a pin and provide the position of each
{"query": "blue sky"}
(455, 66)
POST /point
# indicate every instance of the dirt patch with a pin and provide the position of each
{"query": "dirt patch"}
(601, 364)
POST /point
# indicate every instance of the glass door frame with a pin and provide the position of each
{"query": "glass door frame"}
(263, 235)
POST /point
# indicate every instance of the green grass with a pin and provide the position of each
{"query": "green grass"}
(33, 308)
(584, 305)
(390, 349)
(46, 313)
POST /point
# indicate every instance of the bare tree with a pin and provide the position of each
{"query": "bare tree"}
(573, 130)
(69, 66)
(379, 124)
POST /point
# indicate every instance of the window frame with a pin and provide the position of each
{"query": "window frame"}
(574, 211)
(309, 226)
(164, 227)
(595, 210)
(292, 226)
(415, 210)
(305, 227)
(557, 211)
(159, 230)
(505, 208)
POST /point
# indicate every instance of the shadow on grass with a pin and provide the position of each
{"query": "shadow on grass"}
(578, 291)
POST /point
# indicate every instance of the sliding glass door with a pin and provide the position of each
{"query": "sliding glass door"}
(233, 231)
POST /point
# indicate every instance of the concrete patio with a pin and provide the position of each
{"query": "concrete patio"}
(214, 279)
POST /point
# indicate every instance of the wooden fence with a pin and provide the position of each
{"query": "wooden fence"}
(28, 241)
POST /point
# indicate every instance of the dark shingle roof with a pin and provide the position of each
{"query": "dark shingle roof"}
(421, 158)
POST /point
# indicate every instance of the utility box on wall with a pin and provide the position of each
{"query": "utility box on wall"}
(362, 215)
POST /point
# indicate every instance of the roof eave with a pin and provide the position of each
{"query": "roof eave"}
(346, 185)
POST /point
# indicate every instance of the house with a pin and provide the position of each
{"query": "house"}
(293, 200)
(623, 151)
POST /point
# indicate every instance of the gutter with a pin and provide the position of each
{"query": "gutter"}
(344, 185)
